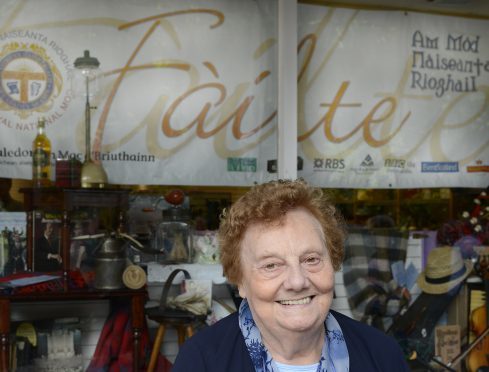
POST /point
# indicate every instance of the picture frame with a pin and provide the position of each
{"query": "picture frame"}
(47, 239)
(447, 342)
(13, 243)
(84, 224)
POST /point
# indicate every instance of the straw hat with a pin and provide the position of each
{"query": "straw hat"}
(444, 270)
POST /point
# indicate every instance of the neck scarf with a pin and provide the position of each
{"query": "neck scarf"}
(334, 356)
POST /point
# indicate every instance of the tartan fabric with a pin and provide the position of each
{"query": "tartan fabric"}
(367, 275)
(115, 345)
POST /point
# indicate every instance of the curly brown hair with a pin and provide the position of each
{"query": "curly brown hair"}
(268, 204)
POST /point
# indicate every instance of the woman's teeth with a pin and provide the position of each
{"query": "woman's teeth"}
(301, 301)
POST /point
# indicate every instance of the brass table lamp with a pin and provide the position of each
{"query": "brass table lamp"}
(93, 174)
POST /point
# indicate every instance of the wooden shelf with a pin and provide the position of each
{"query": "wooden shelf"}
(136, 299)
(67, 202)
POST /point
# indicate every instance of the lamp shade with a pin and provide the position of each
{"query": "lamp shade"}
(86, 62)
(86, 70)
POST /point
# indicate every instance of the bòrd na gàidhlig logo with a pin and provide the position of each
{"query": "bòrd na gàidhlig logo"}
(30, 80)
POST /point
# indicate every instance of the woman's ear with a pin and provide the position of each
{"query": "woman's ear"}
(241, 291)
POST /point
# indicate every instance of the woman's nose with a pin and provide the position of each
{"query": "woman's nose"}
(296, 278)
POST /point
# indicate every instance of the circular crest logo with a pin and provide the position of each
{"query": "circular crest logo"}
(29, 80)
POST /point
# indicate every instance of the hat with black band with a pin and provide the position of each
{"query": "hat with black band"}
(445, 269)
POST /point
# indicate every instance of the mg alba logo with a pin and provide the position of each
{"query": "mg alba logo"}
(29, 80)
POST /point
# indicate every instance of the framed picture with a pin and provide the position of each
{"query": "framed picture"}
(47, 255)
(13, 240)
(84, 224)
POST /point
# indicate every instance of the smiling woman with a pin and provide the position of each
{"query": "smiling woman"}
(280, 244)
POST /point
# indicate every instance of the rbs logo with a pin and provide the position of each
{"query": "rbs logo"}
(329, 163)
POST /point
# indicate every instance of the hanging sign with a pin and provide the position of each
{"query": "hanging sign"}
(186, 93)
(393, 99)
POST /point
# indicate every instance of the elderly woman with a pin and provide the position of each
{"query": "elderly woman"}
(281, 244)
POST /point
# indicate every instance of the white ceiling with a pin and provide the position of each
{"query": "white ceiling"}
(466, 8)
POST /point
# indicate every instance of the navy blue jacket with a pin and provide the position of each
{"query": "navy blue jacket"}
(221, 348)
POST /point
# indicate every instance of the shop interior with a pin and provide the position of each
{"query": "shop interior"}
(109, 238)
(419, 215)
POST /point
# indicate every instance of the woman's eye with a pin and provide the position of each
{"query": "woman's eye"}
(312, 260)
(271, 266)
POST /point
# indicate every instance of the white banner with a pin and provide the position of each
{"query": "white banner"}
(393, 99)
(187, 90)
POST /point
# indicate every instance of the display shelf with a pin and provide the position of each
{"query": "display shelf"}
(135, 298)
(68, 203)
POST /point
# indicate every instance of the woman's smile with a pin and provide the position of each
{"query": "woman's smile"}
(300, 301)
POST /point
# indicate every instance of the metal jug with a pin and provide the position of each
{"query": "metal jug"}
(110, 262)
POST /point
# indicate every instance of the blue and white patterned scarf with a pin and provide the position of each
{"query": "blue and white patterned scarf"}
(334, 356)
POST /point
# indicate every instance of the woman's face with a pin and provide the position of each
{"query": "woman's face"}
(288, 278)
